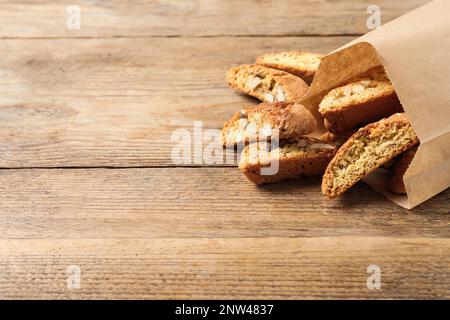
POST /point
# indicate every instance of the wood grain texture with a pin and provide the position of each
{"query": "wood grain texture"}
(112, 93)
(198, 202)
(244, 268)
(92, 102)
(125, 18)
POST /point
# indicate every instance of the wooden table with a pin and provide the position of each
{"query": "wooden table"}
(88, 187)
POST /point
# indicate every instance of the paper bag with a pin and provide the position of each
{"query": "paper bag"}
(415, 51)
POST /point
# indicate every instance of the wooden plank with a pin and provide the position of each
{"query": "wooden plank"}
(193, 17)
(217, 268)
(116, 102)
(198, 202)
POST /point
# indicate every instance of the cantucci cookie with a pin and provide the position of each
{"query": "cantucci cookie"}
(283, 119)
(369, 148)
(395, 183)
(302, 64)
(301, 157)
(267, 84)
(356, 104)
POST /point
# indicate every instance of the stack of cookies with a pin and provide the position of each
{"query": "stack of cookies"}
(365, 122)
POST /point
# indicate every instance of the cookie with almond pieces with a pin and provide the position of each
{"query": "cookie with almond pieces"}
(283, 119)
(368, 149)
(299, 63)
(356, 104)
(267, 84)
(263, 163)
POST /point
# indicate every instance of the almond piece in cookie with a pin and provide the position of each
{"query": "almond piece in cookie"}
(301, 64)
(369, 148)
(395, 182)
(267, 84)
(300, 157)
(356, 104)
(288, 119)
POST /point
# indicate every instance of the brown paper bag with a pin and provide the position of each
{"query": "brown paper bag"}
(415, 51)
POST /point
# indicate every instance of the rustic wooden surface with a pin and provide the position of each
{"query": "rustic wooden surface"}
(87, 178)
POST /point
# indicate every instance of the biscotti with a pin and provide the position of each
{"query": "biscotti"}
(358, 103)
(369, 148)
(283, 119)
(395, 182)
(267, 84)
(295, 158)
(302, 64)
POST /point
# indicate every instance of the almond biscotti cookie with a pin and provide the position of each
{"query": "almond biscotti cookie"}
(267, 84)
(301, 157)
(395, 182)
(285, 119)
(369, 148)
(302, 64)
(356, 104)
